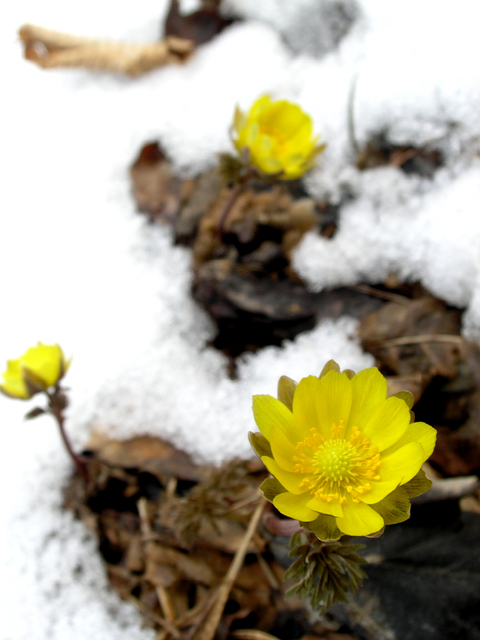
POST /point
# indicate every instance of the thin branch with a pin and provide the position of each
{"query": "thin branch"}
(225, 587)
(419, 339)
(154, 617)
(385, 295)
(162, 594)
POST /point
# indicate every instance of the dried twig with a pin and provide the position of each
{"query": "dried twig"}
(221, 596)
(154, 617)
(252, 634)
(51, 49)
(378, 293)
(419, 339)
(164, 598)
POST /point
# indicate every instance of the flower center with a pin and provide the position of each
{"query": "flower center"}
(336, 467)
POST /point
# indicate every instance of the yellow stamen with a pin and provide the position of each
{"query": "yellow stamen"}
(337, 467)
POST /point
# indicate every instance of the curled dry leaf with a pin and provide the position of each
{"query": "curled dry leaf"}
(157, 191)
(145, 453)
(50, 49)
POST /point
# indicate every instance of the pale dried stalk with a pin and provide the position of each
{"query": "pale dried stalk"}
(221, 596)
(420, 339)
(252, 634)
(51, 49)
(164, 599)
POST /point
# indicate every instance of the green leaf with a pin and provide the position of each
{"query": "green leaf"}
(324, 572)
(34, 413)
(260, 444)
(417, 485)
(286, 391)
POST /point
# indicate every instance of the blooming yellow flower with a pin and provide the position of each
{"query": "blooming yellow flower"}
(278, 136)
(36, 370)
(345, 458)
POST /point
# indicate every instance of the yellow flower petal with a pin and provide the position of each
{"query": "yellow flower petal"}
(13, 383)
(334, 399)
(44, 361)
(15, 389)
(269, 411)
(282, 449)
(395, 469)
(294, 507)
(369, 390)
(305, 410)
(387, 423)
(278, 136)
(345, 452)
(291, 481)
(333, 508)
(325, 528)
(36, 370)
(417, 432)
(359, 520)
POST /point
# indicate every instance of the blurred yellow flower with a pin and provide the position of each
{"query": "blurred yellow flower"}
(36, 370)
(345, 458)
(278, 136)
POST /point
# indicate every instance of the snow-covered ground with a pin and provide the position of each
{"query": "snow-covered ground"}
(81, 268)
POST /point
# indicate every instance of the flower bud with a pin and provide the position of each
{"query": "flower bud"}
(277, 138)
(38, 369)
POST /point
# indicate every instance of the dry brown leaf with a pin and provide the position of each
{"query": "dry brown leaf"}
(146, 453)
(50, 49)
(155, 188)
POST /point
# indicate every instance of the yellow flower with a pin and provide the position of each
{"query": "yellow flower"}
(345, 459)
(36, 370)
(278, 136)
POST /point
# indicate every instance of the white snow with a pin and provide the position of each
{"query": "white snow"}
(81, 268)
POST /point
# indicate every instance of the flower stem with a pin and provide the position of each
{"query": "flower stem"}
(57, 403)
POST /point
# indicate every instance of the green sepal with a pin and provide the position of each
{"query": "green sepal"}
(324, 527)
(349, 373)
(412, 417)
(271, 488)
(12, 395)
(260, 444)
(417, 485)
(395, 507)
(406, 396)
(286, 391)
(231, 167)
(330, 366)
